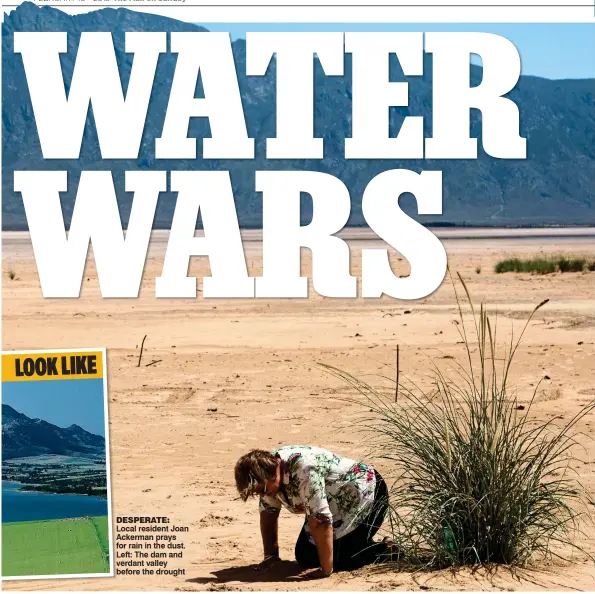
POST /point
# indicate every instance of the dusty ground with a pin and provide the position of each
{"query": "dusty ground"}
(255, 362)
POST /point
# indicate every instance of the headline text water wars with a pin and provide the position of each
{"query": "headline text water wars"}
(120, 120)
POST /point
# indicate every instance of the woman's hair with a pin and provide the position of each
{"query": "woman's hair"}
(252, 470)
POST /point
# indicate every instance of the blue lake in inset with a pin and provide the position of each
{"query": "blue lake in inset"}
(25, 506)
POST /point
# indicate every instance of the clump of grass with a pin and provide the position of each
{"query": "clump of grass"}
(508, 265)
(478, 480)
(12, 274)
(591, 266)
(478, 269)
(542, 265)
(571, 264)
(537, 265)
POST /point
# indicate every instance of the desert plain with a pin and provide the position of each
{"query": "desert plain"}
(220, 377)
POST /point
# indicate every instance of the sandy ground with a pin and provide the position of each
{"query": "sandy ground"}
(256, 363)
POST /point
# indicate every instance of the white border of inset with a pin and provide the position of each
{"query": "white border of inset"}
(107, 469)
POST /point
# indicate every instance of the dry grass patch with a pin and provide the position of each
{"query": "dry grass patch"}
(479, 479)
(545, 264)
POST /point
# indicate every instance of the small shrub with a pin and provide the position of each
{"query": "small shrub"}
(571, 265)
(543, 265)
(591, 266)
(478, 480)
(12, 274)
(509, 265)
(478, 270)
(537, 265)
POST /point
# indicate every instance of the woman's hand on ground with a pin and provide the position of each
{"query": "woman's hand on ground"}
(267, 563)
(317, 574)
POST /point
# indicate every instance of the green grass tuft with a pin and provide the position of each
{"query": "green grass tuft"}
(543, 265)
(571, 265)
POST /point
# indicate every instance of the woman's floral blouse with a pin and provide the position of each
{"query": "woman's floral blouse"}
(318, 483)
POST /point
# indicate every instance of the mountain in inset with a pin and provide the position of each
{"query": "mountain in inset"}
(23, 436)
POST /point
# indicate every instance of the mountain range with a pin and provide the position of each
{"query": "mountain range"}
(554, 185)
(23, 436)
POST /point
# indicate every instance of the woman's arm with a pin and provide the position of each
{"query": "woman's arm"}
(322, 532)
(269, 529)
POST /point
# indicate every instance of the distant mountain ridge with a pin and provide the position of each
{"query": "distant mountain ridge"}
(555, 185)
(23, 436)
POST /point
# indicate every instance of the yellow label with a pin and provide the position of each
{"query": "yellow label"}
(48, 365)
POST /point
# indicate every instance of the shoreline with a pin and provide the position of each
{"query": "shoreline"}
(355, 233)
(19, 490)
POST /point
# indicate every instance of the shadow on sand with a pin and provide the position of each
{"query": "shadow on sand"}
(284, 571)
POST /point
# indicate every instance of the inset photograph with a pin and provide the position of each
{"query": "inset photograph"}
(56, 513)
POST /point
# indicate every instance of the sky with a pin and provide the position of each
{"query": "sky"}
(549, 50)
(60, 402)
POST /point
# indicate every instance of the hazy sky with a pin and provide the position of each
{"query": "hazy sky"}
(551, 50)
(60, 402)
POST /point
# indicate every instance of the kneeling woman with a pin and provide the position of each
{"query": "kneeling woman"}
(344, 502)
